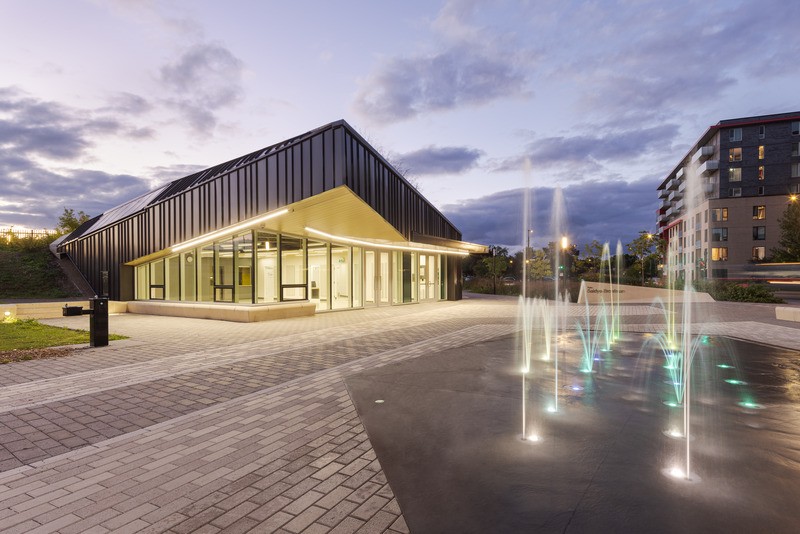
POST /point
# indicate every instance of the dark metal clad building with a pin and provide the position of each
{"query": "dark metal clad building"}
(321, 217)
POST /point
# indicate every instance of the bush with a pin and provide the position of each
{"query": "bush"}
(738, 291)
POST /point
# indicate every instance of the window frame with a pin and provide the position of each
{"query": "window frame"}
(735, 135)
(759, 233)
(759, 212)
(734, 174)
(735, 154)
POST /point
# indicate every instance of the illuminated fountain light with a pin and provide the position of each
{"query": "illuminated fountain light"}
(735, 382)
(725, 366)
(674, 433)
(534, 438)
(551, 409)
(750, 405)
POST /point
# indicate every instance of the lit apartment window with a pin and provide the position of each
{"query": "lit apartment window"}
(762, 132)
(735, 192)
(735, 134)
(735, 154)
(759, 212)
(796, 128)
(734, 174)
(759, 253)
(759, 233)
(760, 172)
(719, 214)
(719, 253)
(761, 152)
(760, 191)
(719, 234)
(795, 170)
(795, 149)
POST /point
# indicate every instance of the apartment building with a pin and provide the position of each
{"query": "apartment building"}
(719, 207)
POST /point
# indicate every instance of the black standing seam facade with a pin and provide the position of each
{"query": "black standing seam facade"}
(260, 182)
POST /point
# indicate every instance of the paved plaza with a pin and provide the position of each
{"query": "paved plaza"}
(207, 426)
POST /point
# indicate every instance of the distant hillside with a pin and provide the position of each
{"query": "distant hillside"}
(32, 273)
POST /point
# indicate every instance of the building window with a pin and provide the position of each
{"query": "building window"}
(735, 154)
(719, 234)
(735, 192)
(735, 134)
(796, 128)
(760, 172)
(759, 233)
(719, 214)
(761, 152)
(760, 191)
(762, 132)
(734, 174)
(759, 253)
(795, 149)
(794, 188)
(759, 212)
(719, 253)
(795, 170)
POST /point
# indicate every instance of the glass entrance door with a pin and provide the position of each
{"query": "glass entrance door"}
(427, 277)
(377, 279)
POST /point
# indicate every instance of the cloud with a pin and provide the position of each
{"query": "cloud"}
(470, 66)
(438, 160)
(35, 137)
(204, 79)
(34, 196)
(583, 152)
(605, 210)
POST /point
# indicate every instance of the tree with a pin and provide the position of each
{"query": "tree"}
(69, 222)
(540, 265)
(789, 243)
(496, 263)
(642, 247)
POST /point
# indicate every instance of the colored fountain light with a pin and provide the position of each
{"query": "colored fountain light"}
(735, 382)
(725, 366)
(534, 438)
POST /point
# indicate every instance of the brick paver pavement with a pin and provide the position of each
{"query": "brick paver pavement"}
(203, 426)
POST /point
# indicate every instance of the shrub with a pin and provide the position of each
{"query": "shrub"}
(738, 291)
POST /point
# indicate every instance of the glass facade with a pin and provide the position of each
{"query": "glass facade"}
(261, 267)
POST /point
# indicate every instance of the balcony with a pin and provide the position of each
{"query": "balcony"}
(703, 153)
(682, 187)
(675, 195)
(663, 218)
(708, 167)
(709, 187)
(679, 206)
(673, 184)
(679, 175)
(662, 193)
(669, 212)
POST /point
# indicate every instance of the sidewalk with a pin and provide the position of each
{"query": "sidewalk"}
(204, 426)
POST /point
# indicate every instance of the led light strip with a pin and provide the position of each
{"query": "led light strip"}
(219, 233)
(380, 245)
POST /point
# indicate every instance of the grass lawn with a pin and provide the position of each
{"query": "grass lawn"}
(30, 334)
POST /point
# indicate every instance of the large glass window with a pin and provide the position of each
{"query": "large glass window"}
(267, 281)
(735, 154)
(341, 277)
(293, 268)
(719, 254)
(760, 151)
(719, 234)
(405, 283)
(243, 261)
(759, 212)
(318, 273)
(173, 278)
(759, 253)
(735, 134)
(157, 280)
(143, 282)
(369, 277)
(223, 270)
(734, 174)
(358, 279)
(759, 233)
(205, 274)
(189, 276)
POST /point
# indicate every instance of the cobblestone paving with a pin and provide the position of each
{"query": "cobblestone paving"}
(255, 432)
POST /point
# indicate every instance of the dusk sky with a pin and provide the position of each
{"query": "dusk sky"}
(103, 100)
